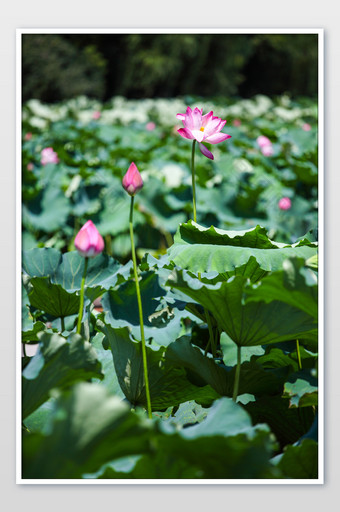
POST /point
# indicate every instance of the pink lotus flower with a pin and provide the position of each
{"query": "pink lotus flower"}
(285, 203)
(132, 181)
(150, 126)
(96, 114)
(48, 156)
(30, 166)
(88, 241)
(306, 127)
(205, 128)
(265, 145)
(28, 136)
(262, 141)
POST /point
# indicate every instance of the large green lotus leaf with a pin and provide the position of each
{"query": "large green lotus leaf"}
(40, 419)
(294, 284)
(288, 424)
(203, 370)
(300, 461)
(52, 298)
(105, 358)
(168, 385)
(41, 262)
(54, 280)
(201, 249)
(91, 427)
(59, 363)
(160, 323)
(247, 324)
(48, 212)
(67, 269)
(223, 445)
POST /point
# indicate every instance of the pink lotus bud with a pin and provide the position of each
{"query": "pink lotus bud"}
(306, 127)
(96, 114)
(262, 141)
(88, 241)
(150, 126)
(30, 166)
(28, 136)
(285, 203)
(48, 156)
(132, 181)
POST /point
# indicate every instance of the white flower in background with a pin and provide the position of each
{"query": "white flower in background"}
(288, 114)
(242, 165)
(173, 174)
(38, 122)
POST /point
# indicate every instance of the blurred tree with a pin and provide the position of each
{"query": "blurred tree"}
(54, 69)
(176, 64)
(282, 63)
(57, 67)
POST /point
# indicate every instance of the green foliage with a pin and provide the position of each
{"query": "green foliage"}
(247, 323)
(231, 298)
(58, 364)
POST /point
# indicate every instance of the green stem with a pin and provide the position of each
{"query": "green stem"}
(62, 324)
(193, 178)
(108, 244)
(81, 305)
(211, 333)
(139, 300)
(24, 349)
(298, 354)
(237, 374)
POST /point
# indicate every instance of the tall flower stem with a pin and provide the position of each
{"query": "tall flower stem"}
(237, 374)
(82, 288)
(298, 354)
(193, 179)
(139, 300)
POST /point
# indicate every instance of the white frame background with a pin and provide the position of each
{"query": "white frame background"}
(194, 15)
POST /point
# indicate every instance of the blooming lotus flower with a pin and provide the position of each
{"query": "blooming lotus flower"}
(132, 181)
(88, 241)
(285, 203)
(205, 128)
(48, 156)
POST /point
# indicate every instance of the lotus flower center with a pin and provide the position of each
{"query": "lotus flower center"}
(202, 129)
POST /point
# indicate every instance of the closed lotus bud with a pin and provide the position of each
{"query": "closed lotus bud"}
(88, 241)
(132, 181)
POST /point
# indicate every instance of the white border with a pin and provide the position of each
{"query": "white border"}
(320, 33)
